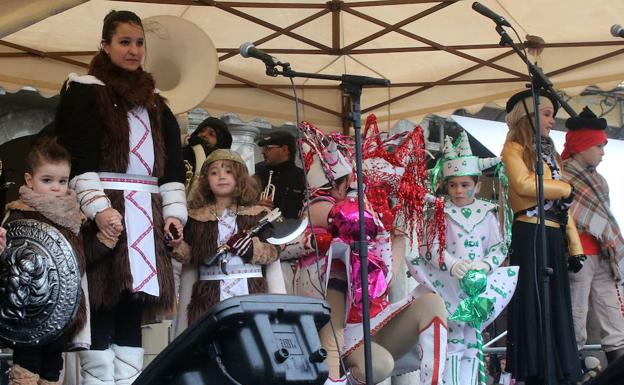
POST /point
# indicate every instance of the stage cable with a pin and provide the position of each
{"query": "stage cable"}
(307, 201)
(538, 158)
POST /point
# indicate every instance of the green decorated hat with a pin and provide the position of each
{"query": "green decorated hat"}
(457, 158)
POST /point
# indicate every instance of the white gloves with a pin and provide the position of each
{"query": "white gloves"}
(460, 268)
(479, 265)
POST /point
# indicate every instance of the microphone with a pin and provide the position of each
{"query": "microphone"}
(617, 30)
(249, 50)
(485, 11)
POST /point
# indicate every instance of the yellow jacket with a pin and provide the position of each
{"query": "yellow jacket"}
(523, 191)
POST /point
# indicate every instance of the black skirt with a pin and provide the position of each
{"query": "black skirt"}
(525, 339)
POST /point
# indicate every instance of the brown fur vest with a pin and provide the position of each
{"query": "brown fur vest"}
(109, 276)
(110, 104)
(124, 91)
(201, 234)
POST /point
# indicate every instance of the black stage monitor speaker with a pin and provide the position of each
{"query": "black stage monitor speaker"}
(252, 340)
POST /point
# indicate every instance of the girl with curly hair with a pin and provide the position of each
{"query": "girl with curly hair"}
(220, 214)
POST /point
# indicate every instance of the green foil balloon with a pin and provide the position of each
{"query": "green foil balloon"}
(474, 283)
(474, 310)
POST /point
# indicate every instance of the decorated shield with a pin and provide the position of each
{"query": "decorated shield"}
(39, 283)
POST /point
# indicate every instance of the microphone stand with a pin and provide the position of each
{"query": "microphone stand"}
(352, 85)
(540, 81)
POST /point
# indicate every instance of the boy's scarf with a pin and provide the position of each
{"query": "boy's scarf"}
(591, 207)
(63, 211)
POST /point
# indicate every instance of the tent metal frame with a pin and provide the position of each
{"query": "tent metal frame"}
(335, 8)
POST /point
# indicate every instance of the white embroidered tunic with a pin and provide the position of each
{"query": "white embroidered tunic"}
(138, 218)
(472, 234)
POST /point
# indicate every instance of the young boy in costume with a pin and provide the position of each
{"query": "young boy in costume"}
(473, 242)
(599, 280)
(45, 197)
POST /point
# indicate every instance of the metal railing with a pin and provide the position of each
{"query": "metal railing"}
(488, 349)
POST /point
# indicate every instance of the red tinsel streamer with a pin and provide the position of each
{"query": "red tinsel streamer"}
(410, 189)
(439, 228)
(377, 195)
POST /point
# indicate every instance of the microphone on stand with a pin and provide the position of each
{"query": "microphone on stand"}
(617, 30)
(485, 11)
(249, 50)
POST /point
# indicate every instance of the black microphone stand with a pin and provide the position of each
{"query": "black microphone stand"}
(540, 81)
(351, 85)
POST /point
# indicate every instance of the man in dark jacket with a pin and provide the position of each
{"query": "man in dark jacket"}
(279, 150)
(209, 135)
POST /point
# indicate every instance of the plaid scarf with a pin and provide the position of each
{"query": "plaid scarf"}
(591, 207)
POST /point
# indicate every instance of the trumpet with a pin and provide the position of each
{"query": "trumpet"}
(269, 190)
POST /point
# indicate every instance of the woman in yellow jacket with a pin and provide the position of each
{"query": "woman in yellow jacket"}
(525, 339)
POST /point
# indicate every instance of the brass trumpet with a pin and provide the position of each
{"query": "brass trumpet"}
(269, 190)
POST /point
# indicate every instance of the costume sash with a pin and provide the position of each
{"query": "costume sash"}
(138, 218)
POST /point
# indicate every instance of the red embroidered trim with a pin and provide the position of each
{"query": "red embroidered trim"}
(135, 150)
(436, 350)
(379, 326)
(135, 244)
(130, 180)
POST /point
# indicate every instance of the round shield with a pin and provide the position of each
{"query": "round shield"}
(39, 283)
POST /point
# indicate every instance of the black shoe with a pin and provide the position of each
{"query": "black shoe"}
(613, 355)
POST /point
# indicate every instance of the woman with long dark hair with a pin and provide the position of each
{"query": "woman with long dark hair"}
(128, 174)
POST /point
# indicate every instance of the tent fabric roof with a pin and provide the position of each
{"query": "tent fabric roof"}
(439, 55)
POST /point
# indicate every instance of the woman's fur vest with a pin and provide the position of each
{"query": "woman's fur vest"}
(92, 124)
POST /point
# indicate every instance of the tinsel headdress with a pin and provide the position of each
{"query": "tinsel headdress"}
(395, 169)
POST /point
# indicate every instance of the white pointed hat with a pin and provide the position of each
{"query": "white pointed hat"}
(333, 166)
(457, 159)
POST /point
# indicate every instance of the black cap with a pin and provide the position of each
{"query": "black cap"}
(279, 138)
(515, 99)
(586, 120)
(224, 138)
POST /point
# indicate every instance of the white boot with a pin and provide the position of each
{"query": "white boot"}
(96, 367)
(452, 369)
(128, 364)
(338, 381)
(469, 371)
(432, 341)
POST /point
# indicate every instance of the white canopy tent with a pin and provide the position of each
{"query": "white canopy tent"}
(440, 55)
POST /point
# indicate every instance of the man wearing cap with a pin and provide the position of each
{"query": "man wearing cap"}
(279, 150)
(599, 281)
(209, 135)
